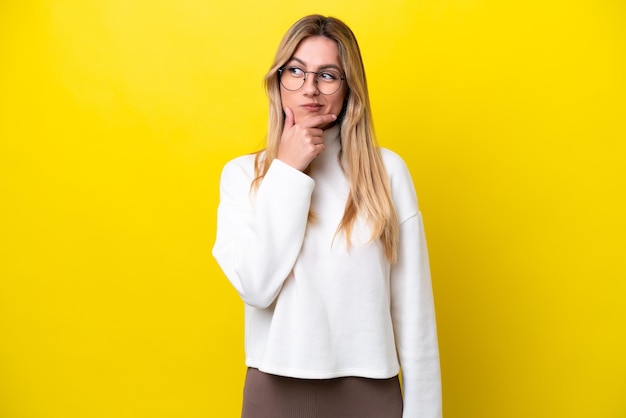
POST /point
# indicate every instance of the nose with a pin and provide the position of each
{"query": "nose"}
(310, 85)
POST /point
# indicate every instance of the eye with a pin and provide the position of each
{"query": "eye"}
(329, 76)
(295, 71)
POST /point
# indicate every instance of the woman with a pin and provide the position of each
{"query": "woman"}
(321, 235)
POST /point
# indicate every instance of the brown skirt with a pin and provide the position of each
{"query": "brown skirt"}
(271, 396)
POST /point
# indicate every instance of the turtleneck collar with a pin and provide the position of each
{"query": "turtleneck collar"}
(327, 160)
(332, 141)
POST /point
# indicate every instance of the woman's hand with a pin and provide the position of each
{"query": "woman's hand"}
(301, 142)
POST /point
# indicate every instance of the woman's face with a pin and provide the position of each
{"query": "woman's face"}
(316, 53)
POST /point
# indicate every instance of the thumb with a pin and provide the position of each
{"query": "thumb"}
(289, 119)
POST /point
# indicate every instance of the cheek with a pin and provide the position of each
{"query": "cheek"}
(283, 98)
(286, 99)
(338, 104)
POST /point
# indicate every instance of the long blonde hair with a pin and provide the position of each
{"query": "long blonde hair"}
(370, 192)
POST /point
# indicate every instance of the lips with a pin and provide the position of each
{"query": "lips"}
(312, 107)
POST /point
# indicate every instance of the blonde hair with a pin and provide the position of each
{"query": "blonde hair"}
(370, 192)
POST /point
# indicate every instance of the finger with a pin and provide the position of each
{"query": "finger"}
(319, 120)
(289, 119)
(315, 133)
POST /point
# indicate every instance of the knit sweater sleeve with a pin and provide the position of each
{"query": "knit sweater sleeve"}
(260, 233)
(412, 303)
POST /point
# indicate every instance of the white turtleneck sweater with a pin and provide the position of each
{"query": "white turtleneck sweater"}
(315, 308)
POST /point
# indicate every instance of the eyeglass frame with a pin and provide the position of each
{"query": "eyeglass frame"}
(280, 75)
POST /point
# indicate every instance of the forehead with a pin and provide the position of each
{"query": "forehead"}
(317, 51)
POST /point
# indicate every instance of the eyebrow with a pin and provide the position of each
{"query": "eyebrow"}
(318, 68)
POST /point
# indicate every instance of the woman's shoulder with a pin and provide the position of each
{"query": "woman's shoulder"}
(402, 188)
(239, 167)
(242, 161)
(394, 164)
(245, 162)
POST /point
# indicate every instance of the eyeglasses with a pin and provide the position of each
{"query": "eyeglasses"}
(327, 81)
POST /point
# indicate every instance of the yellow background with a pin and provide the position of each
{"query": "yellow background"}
(116, 117)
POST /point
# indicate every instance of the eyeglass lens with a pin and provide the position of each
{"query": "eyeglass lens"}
(327, 81)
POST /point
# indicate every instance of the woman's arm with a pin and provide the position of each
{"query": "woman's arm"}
(414, 323)
(260, 233)
(412, 305)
